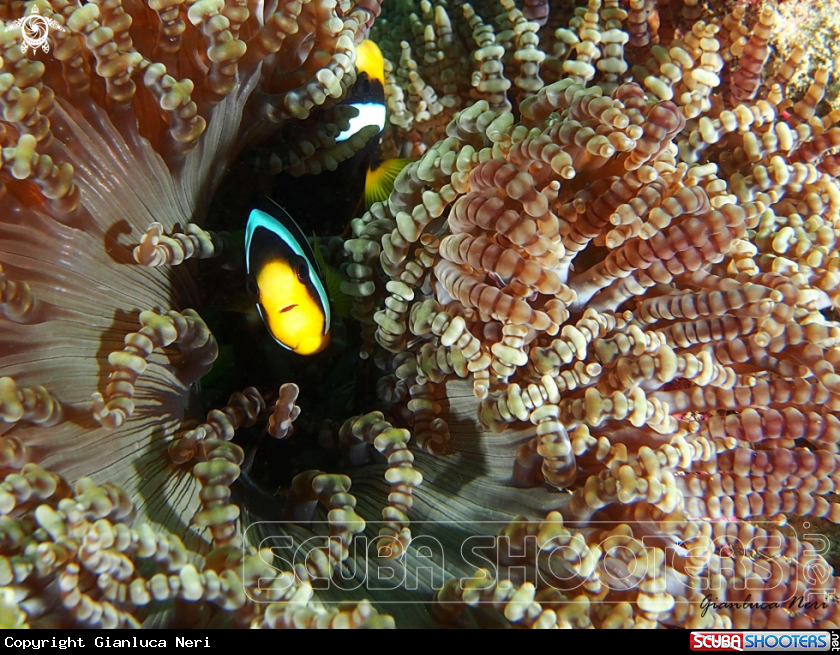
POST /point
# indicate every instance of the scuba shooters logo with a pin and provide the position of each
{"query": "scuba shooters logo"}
(35, 30)
(753, 640)
(717, 641)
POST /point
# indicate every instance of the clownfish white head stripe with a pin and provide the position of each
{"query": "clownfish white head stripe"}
(284, 281)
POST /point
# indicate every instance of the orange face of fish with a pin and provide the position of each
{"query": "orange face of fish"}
(369, 60)
(283, 281)
(290, 312)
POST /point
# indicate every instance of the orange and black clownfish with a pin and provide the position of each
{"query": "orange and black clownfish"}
(331, 198)
(284, 281)
(368, 98)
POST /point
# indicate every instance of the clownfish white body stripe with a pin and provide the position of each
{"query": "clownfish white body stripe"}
(370, 113)
(368, 93)
(284, 281)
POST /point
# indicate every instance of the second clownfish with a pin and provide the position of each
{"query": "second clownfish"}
(334, 197)
(284, 281)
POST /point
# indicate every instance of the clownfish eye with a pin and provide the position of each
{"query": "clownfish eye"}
(301, 269)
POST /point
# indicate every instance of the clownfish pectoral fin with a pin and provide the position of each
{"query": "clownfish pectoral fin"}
(341, 302)
(379, 181)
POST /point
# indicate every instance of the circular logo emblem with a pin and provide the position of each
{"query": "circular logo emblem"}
(35, 29)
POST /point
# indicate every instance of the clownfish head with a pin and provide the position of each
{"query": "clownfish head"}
(368, 94)
(285, 284)
(369, 60)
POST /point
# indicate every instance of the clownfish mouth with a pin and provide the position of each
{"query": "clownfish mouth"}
(287, 308)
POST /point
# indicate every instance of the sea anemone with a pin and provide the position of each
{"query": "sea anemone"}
(622, 244)
(115, 136)
(602, 301)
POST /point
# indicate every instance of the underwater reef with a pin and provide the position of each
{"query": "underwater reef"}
(600, 310)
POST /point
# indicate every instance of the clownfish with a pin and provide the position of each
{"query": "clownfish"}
(284, 282)
(368, 98)
(332, 198)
